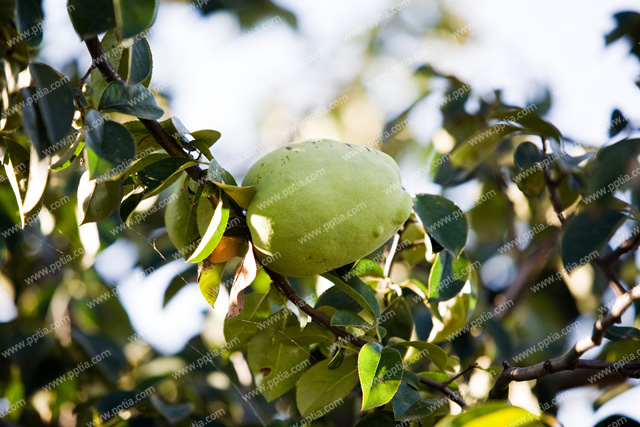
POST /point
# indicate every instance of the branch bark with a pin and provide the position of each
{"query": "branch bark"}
(570, 360)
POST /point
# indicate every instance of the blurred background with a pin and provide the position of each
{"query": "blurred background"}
(372, 72)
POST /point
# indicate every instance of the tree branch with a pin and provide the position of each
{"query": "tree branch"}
(570, 360)
(101, 61)
(165, 140)
(285, 288)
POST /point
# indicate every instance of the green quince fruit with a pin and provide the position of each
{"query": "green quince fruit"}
(321, 204)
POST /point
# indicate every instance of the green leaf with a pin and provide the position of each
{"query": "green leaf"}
(617, 333)
(397, 319)
(38, 176)
(139, 62)
(472, 151)
(448, 276)
(277, 366)
(91, 18)
(611, 170)
(359, 292)
(380, 371)
(321, 386)
(97, 199)
(312, 333)
(256, 309)
(180, 218)
(159, 175)
(618, 123)
(172, 413)
(134, 100)
(209, 279)
(378, 419)
(29, 15)
(130, 202)
(208, 137)
(219, 175)
(443, 220)
(404, 399)
(587, 233)
(527, 155)
(54, 104)
(110, 149)
(214, 232)
(135, 16)
(489, 414)
(337, 359)
(348, 318)
(433, 352)
(241, 195)
(529, 120)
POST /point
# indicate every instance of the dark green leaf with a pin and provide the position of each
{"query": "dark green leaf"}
(139, 61)
(377, 419)
(91, 18)
(612, 169)
(443, 220)
(587, 233)
(135, 16)
(29, 17)
(113, 147)
(448, 276)
(617, 333)
(157, 174)
(130, 202)
(218, 174)
(348, 318)
(55, 104)
(134, 100)
(334, 297)
(359, 292)
(618, 123)
(531, 121)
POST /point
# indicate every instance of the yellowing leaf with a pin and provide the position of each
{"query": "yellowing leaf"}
(209, 278)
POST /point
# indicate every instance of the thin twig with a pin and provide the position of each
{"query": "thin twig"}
(570, 360)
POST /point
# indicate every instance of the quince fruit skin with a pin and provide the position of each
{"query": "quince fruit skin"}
(321, 204)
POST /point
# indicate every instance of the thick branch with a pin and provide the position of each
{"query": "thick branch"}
(283, 286)
(570, 360)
